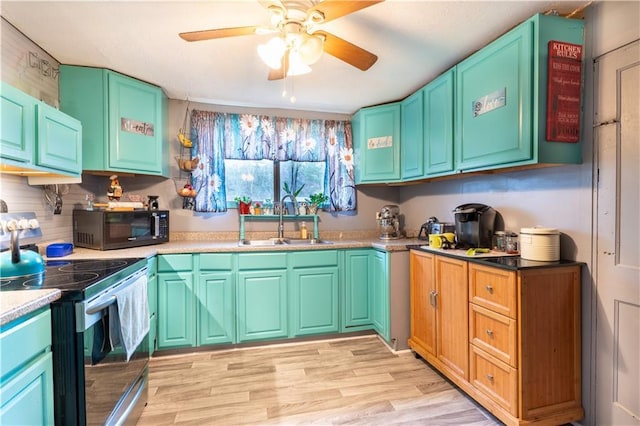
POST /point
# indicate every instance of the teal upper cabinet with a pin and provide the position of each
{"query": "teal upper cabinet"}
(438, 124)
(37, 139)
(376, 135)
(501, 99)
(124, 120)
(412, 131)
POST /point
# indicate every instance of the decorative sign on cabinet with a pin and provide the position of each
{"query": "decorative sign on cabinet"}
(124, 120)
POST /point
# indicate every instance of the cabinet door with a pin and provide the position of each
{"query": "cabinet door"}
(135, 125)
(452, 312)
(216, 312)
(423, 312)
(356, 301)
(380, 294)
(412, 134)
(494, 90)
(378, 157)
(27, 399)
(438, 124)
(17, 112)
(152, 293)
(59, 143)
(314, 301)
(262, 305)
(176, 310)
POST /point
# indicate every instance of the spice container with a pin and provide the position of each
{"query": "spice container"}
(498, 241)
(511, 242)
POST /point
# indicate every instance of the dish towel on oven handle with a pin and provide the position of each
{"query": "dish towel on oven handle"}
(129, 316)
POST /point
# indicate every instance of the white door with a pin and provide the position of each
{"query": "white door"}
(617, 91)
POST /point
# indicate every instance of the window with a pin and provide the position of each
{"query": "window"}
(257, 178)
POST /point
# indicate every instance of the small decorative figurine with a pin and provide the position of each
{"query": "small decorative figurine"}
(115, 190)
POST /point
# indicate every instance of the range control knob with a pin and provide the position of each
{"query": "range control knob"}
(12, 225)
(23, 224)
(34, 224)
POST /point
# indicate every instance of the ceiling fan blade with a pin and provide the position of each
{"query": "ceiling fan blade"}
(218, 33)
(280, 73)
(348, 52)
(333, 9)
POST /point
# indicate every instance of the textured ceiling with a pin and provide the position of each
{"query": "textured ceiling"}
(415, 41)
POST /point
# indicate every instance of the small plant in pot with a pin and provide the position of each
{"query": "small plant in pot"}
(290, 206)
(244, 204)
(316, 201)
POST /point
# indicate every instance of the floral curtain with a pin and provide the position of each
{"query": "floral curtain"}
(217, 136)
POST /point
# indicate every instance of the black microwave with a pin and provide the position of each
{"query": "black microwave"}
(109, 229)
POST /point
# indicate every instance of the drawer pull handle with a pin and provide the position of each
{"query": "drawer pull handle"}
(490, 377)
(489, 289)
(489, 332)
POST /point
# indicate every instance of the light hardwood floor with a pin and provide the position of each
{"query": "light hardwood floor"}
(347, 381)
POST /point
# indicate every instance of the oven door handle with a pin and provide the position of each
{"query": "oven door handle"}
(91, 311)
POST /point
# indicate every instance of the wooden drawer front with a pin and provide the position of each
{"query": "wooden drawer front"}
(494, 378)
(493, 333)
(493, 288)
(253, 261)
(174, 262)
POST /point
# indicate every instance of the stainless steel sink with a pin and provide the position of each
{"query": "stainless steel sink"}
(285, 241)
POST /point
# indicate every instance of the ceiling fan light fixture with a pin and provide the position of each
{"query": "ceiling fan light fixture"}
(271, 53)
(311, 49)
(297, 65)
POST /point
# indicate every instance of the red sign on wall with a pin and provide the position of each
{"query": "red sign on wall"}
(564, 85)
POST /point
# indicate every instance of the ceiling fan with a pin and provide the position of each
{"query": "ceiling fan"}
(298, 42)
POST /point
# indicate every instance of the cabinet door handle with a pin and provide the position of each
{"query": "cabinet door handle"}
(489, 288)
(433, 298)
(489, 332)
(490, 377)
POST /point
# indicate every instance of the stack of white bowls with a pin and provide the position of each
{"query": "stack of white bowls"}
(539, 243)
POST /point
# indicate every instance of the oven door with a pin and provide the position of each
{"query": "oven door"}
(115, 389)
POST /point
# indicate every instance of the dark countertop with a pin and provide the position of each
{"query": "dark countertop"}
(496, 259)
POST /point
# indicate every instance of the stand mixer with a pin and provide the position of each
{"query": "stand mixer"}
(388, 222)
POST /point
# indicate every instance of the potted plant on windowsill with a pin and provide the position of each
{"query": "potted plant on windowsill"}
(244, 204)
(316, 201)
(290, 205)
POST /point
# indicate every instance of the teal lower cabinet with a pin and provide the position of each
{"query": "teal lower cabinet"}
(26, 371)
(262, 296)
(380, 293)
(176, 302)
(356, 297)
(313, 284)
(216, 299)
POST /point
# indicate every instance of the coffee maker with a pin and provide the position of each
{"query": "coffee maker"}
(474, 225)
(388, 222)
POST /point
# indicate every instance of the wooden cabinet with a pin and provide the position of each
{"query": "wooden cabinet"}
(501, 99)
(522, 355)
(124, 120)
(216, 299)
(36, 138)
(376, 135)
(412, 134)
(176, 301)
(262, 296)
(438, 125)
(26, 370)
(313, 303)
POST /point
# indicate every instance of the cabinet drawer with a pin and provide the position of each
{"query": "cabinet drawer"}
(216, 261)
(24, 341)
(175, 262)
(308, 259)
(493, 289)
(493, 333)
(250, 261)
(494, 378)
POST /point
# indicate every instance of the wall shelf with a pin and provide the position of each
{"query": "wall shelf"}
(272, 217)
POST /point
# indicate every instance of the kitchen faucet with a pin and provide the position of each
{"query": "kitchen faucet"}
(282, 208)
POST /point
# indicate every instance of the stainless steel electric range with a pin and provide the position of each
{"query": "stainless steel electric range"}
(93, 381)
